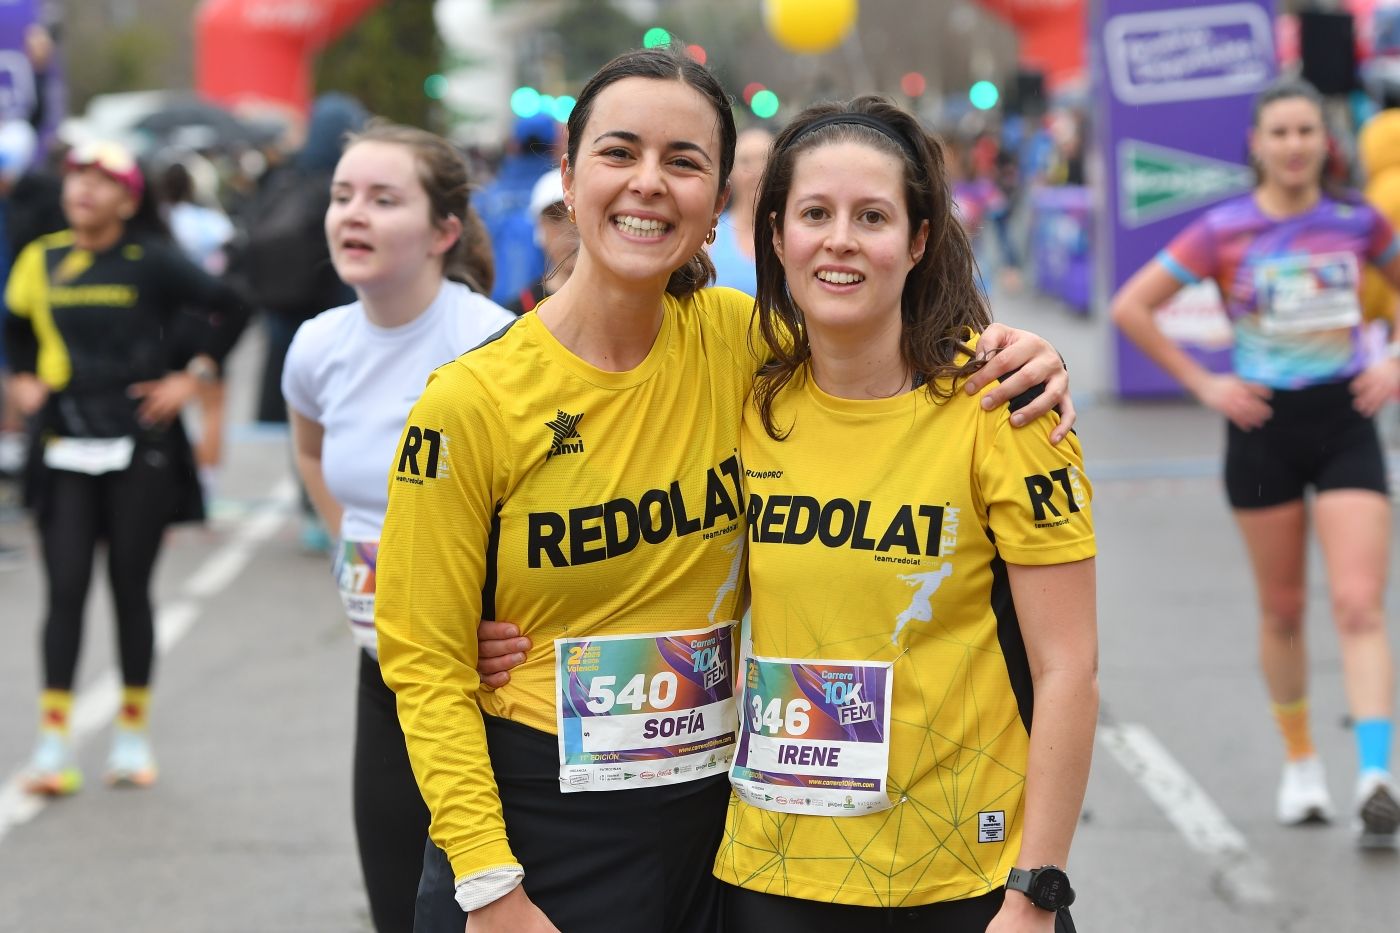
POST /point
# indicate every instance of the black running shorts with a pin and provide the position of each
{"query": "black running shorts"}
(634, 861)
(1315, 438)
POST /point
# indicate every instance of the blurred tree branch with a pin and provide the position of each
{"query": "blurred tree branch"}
(383, 61)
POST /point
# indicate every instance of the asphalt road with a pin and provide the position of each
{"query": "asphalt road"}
(249, 828)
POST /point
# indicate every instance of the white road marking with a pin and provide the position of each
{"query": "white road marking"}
(228, 562)
(1241, 876)
(96, 705)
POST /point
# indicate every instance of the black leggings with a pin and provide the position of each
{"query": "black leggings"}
(128, 510)
(391, 820)
(754, 912)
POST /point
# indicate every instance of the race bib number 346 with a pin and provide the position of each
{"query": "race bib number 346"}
(815, 736)
(637, 711)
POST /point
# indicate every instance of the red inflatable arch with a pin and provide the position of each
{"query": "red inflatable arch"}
(259, 52)
(1052, 34)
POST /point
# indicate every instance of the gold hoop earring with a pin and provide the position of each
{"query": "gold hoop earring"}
(710, 237)
(569, 209)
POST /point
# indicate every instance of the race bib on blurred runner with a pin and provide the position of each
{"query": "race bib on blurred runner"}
(1305, 292)
(815, 736)
(354, 576)
(642, 710)
(91, 455)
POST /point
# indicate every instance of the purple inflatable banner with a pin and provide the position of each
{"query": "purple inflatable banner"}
(17, 91)
(1173, 86)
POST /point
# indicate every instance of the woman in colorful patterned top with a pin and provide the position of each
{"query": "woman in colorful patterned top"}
(1300, 406)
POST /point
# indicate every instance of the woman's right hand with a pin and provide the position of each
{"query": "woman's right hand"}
(499, 647)
(514, 913)
(29, 393)
(1244, 403)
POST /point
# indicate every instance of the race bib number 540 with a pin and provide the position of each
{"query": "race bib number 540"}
(636, 711)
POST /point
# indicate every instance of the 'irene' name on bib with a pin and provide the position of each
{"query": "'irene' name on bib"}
(814, 736)
(639, 710)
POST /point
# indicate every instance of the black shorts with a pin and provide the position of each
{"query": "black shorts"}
(634, 861)
(1315, 438)
(748, 911)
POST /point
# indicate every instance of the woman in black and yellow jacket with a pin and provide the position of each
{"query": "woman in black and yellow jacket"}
(109, 331)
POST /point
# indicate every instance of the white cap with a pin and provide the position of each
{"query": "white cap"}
(548, 190)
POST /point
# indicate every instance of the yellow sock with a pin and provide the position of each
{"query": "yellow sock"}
(134, 703)
(54, 709)
(1292, 719)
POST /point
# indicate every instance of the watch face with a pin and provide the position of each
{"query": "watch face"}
(1051, 889)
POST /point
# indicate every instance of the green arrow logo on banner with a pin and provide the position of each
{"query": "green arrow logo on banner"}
(1156, 182)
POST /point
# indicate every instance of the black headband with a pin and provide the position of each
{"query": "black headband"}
(860, 119)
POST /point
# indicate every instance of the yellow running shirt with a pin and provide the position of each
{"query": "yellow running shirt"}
(574, 502)
(878, 534)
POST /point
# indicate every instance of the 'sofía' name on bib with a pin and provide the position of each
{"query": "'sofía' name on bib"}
(637, 711)
(814, 736)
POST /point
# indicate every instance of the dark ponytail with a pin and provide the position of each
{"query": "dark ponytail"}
(696, 274)
(470, 261)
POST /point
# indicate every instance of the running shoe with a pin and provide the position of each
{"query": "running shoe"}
(1302, 793)
(131, 763)
(1377, 810)
(314, 538)
(52, 771)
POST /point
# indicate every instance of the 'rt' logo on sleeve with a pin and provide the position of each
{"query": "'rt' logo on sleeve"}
(1043, 493)
(424, 454)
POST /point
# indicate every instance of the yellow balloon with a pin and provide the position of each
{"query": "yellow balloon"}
(1379, 142)
(1383, 192)
(809, 26)
(1377, 300)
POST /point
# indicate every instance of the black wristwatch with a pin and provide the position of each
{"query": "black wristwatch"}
(1046, 886)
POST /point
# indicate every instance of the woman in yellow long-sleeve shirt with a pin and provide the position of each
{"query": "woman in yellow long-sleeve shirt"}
(579, 476)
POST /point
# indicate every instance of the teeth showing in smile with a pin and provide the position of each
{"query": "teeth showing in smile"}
(840, 278)
(637, 226)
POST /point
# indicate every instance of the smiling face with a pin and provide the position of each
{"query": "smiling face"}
(379, 224)
(844, 238)
(1289, 143)
(645, 182)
